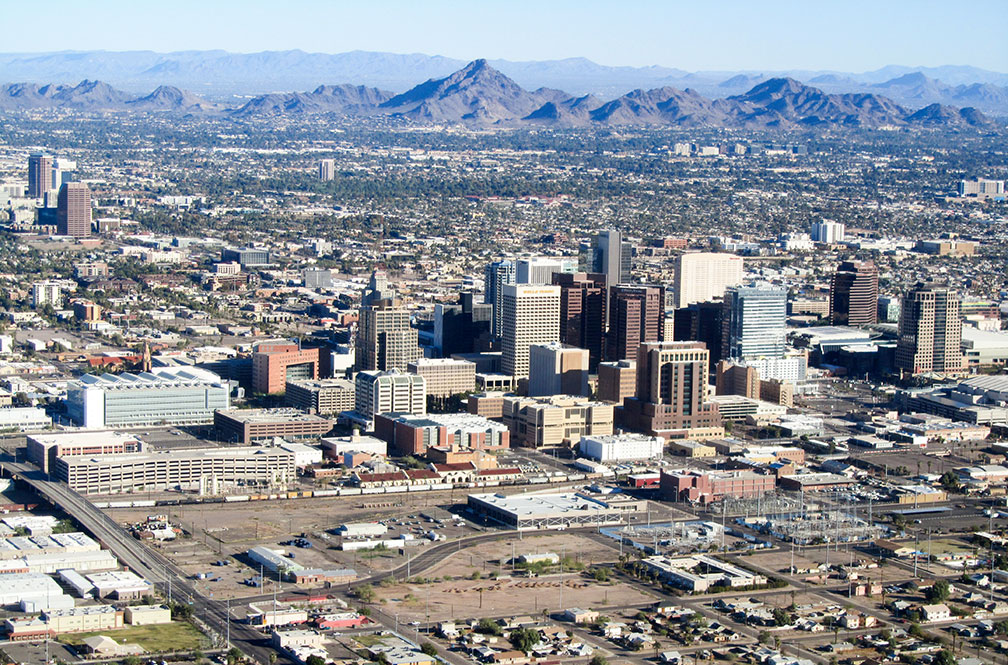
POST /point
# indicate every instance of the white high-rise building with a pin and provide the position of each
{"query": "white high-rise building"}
(326, 170)
(390, 392)
(530, 315)
(539, 270)
(46, 293)
(704, 276)
(827, 232)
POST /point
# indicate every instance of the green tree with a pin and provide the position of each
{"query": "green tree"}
(944, 657)
(488, 627)
(781, 616)
(598, 659)
(428, 649)
(365, 592)
(939, 591)
(601, 574)
(950, 481)
(524, 639)
(315, 660)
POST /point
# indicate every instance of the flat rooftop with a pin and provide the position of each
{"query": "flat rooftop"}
(270, 416)
(81, 438)
(544, 505)
(179, 454)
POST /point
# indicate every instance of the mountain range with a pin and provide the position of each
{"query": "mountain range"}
(220, 75)
(478, 94)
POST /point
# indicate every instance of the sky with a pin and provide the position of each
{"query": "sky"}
(842, 35)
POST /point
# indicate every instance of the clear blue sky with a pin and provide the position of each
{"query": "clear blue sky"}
(846, 35)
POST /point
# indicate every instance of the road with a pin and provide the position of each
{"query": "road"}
(146, 562)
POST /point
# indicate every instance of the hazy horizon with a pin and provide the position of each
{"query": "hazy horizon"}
(854, 36)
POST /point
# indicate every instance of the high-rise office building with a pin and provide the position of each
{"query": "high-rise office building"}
(530, 315)
(703, 276)
(326, 170)
(612, 256)
(827, 232)
(39, 174)
(378, 291)
(463, 327)
(703, 322)
(558, 369)
(756, 321)
(930, 331)
(636, 315)
(671, 395)
(583, 312)
(385, 339)
(539, 270)
(495, 276)
(854, 294)
(73, 210)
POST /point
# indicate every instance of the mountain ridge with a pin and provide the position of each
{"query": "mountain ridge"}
(479, 94)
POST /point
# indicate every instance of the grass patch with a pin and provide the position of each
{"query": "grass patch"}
(367, 641)
(174, 636)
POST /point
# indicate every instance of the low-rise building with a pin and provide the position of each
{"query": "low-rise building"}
(247, 426)
(147, 615)
(621, 447)
(556, 420)
(413, 435)
(85, 619)
(702, 573)
(322, 397)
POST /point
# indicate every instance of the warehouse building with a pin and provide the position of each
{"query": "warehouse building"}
(164, 396)
(198, 469)
(34, 592)
(50, 562)
(83, 619)
(554, 511)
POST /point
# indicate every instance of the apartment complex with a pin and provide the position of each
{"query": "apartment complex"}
(756, 323)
